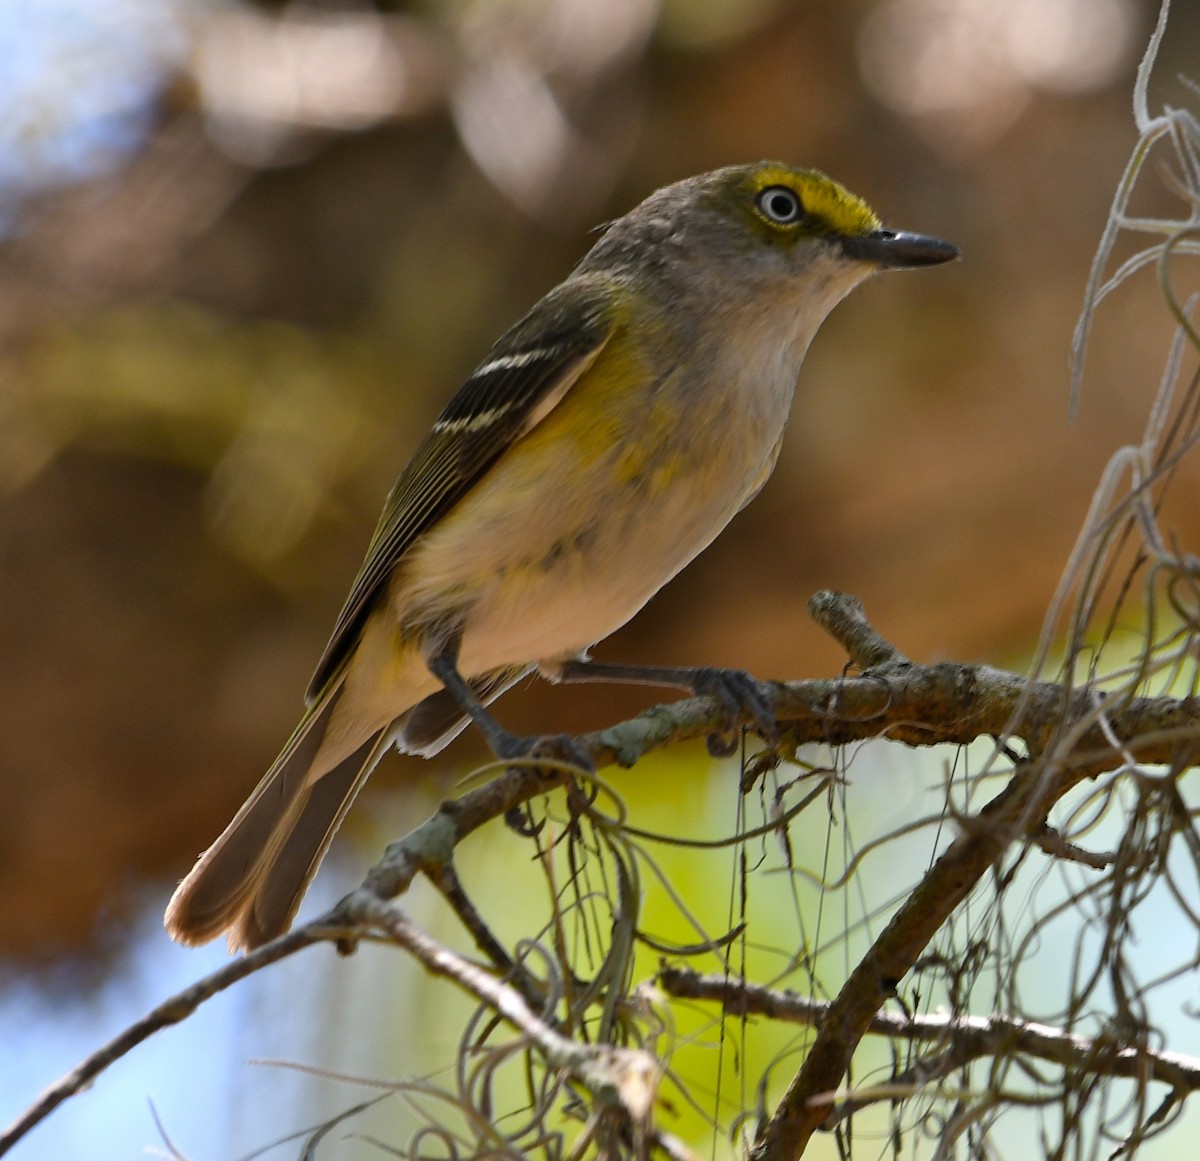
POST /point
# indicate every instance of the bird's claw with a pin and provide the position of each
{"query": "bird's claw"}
(551, 747)
(739, 695)
(548, 747)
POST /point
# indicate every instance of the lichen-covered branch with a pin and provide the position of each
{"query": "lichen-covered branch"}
(1067, 735)
(958, 1039)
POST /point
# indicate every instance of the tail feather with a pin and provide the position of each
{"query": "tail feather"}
(280, 883)
(249, 882)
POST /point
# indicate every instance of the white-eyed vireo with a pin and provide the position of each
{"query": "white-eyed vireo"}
(602, 443)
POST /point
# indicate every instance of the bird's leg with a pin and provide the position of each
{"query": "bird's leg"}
(504, 744)
(736, 692)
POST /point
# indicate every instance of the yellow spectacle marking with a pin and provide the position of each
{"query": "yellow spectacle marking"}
(843, 212)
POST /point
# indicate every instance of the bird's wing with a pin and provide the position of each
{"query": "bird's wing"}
(525, 375)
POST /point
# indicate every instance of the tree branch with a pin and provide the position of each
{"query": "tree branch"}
(962, 1038)
(1069, 735)
(178, 1008)
(625, 1078)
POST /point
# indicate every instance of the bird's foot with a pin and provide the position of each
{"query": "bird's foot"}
(551, 747)
(739, 695)
(547, 747)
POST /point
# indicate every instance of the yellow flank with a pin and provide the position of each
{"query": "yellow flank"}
(823, 198)
(603, 409)
(610, 408)
(652, 462)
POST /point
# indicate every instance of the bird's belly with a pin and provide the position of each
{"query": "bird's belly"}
(572, 591)
(549, 577)
(585, 518)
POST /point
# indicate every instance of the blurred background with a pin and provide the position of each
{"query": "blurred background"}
(248, 250)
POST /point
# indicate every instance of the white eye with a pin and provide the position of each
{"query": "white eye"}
(780, 204)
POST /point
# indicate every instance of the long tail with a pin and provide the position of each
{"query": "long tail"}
(250, 881)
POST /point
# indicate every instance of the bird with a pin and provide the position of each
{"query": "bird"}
(601, 444)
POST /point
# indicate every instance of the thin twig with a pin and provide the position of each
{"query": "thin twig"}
(618, 1077)
(920, 705)
(171, 1011)
(963, 1038)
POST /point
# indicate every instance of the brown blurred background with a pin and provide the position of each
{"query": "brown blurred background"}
(281, 235)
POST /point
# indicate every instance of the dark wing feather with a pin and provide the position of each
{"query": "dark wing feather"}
(523, 377)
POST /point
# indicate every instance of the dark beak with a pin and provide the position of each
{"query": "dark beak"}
(888, 249)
